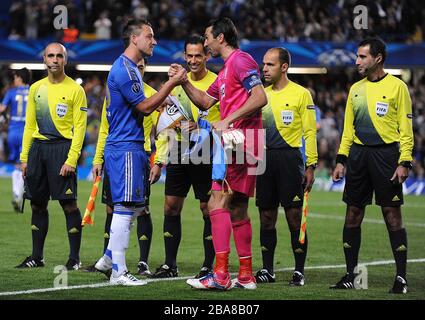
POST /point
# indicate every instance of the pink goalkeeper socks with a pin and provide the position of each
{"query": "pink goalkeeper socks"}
(221, 227)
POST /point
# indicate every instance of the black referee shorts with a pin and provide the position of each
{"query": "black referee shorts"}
(370, 168)
(45, 160)
(282, 182)
(106, 186)
(180, 177)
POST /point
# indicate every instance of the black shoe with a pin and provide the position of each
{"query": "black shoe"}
(264, 276)
(30, 262)
(143, 269)
(400, 286)
(72, 264)
(90, 268)
(203, 272)
(165, 271)
(346, 282)
(298, 279)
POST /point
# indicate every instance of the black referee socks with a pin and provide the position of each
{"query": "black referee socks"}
(208, 244)
(398, 241)
(144, 235)
(172, 236)
(73, 225)
(39, 228)
(268, 240)
(351, 238)
(107, 230)
(299, 250)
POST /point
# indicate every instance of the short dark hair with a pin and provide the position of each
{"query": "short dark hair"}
(131, 28)
(284, 55)
(227, 28)
(24, 74)
(376, 45)
(195, 39)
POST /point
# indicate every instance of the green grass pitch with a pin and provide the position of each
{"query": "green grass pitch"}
(325, 222)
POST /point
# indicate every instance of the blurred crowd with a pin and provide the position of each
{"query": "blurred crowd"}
(329, 94)
(287, 20)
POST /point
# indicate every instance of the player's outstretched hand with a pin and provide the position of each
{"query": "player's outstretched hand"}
(180, 77)
(96, 171)
(339, 172)
(66, 170)
(174, 68)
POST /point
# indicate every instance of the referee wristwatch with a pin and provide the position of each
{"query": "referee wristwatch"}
(406, 164)
(313, 166)
(159, 164)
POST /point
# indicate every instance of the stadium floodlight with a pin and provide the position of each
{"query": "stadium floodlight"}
(30, 66)
(93, 67)
(299, 70)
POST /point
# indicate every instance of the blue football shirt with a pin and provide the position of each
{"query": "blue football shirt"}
(124, 92)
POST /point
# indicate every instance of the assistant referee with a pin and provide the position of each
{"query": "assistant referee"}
(53, 137)
(376, 152)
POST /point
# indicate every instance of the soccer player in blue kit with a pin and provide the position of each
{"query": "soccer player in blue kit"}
(124, 154)
(16, 100)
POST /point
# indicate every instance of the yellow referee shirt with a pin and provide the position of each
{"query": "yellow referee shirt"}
(56, 111)
(104, 128)
(289, 115)
(378, 112)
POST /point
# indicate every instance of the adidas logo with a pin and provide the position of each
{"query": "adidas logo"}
(143, 238)
(296, 198)
(263, 248)
(396, 198)
(299, 250)
(346, 245)
(34, 228)
(106, 236)
(401, 248)
(74, 230)
(167, 235)
(68, 191)
(208, 238)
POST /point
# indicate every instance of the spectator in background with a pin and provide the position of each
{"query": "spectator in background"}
(103, 27)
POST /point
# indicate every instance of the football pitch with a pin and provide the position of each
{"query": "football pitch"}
(325, 260)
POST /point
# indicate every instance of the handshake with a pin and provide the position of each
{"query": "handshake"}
(177, 74)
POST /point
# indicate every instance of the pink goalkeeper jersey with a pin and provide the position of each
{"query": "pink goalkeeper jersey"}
(232, 87)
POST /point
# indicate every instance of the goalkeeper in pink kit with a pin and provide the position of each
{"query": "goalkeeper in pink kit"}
(239, 89)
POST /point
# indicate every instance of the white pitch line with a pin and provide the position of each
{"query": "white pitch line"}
(107, 284)
(368, 220)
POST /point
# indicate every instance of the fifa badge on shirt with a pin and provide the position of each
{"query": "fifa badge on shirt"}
(381, 109)
(61, 109)
(287, 117)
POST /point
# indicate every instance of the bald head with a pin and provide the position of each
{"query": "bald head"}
(55, 47)
(55, 58)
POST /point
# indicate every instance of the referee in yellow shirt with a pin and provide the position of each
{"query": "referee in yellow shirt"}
(376, 153)
(54, 132)
(289, 115)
